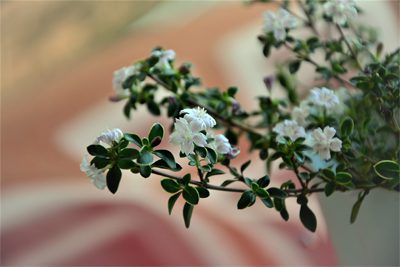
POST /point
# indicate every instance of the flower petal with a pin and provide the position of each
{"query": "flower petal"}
(336, 144)
(329, 132)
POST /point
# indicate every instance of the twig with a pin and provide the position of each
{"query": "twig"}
(310, 21)
(311, 61)
(349, 46)
(215, 114)
(290, 192)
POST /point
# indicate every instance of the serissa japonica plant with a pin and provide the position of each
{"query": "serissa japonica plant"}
(343, 135)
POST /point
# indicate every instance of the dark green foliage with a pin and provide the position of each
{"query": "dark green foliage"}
(308, 218)
(113, 179)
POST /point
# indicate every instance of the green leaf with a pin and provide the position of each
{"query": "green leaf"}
(212, 155)
(356, 207)
(155, 142)
(170, 186)
(354, 211)
(276, 192)
(232, 91)
(145, 171)
(123, 143)
(347, 126)
(343, 178)
(329, 173)
(267, 202)
(338, 68)
(156, 131)
(191, 195)
(133, 138)
(294, 66)
(128, 153)
(248, 181)
(214, 172)
(284, 214)
(263, 154)
(246, 200)
(244, 166)
(267, 49)
(302, 199)
(387, 169)
(278, 204)
(304, 176)
(113, 178)
(97, 150)
(163, 165)
(153, 108)
(330, 188)
(186, 179)
(201, 151)
(288, 185)
(100, 162)
(127, 109)
(126, 164)
(308, 218)
(145, 157)
(171, 202)
(263, 181)
(254, 186)
(187, 214)
(167, 157)
(261, 192)
(228, 182)
(203, 192)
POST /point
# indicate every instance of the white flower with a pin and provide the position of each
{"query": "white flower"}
(164, 58)
(340, 10)
(199, 117)
(324, 97)
(110, 136)
(97, 175)
(119, 78)
(323, 142)
(278, 22)
(290, 129)
(186, 136)
(300, 113)
(219, 143)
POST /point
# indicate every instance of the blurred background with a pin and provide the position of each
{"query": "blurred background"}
(57, 60)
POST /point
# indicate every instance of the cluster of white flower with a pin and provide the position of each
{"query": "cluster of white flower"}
(321, 141)
(120, 77)
(109, 136)
(164, 58)
(340, 10)
(97, 175)
(189, 131)
(278, 23)
(290, 129)
(324, 97)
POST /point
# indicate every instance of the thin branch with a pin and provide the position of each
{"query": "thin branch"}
(349, 46)
(215, 114)
(290, 192)
(311, 61)
(296, 171)
(209, 186)
(310, 21)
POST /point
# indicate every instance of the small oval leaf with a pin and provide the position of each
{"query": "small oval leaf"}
(308, 218)
(387, 169)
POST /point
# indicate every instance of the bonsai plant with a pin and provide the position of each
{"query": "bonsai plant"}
(322, 137)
